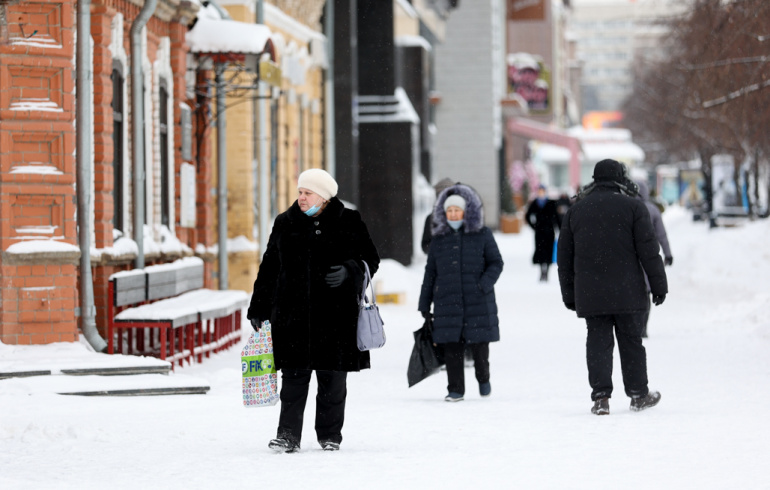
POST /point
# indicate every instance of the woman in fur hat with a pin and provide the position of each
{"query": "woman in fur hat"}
(308, 286)
(463, 266)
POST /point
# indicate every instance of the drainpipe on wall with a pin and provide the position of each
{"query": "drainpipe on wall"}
(331, 156)
(264, 164)
(83, 129)
(221, 175)
(255, 152)
(137, 125)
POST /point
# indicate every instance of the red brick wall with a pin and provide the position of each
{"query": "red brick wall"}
(39, 295)
(102, 14)
(37, 172)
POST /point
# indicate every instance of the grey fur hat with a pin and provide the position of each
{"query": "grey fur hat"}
(473, 220)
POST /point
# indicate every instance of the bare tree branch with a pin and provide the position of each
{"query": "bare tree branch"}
(734, 95)
(736, 61)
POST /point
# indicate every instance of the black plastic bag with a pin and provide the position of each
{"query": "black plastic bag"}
(426, 358)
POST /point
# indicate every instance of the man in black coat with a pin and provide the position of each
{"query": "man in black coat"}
(606, 246)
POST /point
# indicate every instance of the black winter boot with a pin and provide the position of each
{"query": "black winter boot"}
(643, 402)
(282, 445)
(601, 406)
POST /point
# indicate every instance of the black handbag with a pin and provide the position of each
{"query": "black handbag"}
(426, 358)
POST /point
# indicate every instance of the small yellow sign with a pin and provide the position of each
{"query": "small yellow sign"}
(270, 73)
(397, 298)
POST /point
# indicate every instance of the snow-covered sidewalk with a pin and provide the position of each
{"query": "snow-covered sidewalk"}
(707, 354)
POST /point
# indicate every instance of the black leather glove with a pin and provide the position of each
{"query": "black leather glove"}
(255, 324)
(427, 315)
(658, 299)
(337, 276)
(668, 260)
(570, 306)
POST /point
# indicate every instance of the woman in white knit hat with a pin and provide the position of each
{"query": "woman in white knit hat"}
(308, 286)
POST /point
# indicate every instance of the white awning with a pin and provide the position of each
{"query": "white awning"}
(227, 36)
(592, 152)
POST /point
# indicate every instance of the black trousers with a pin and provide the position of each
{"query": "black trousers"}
(600, 345)
(455, 364)
(330, 404)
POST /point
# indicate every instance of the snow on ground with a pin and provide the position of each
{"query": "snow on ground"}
(707, 354)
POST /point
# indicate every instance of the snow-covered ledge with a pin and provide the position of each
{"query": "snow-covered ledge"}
(41, 251)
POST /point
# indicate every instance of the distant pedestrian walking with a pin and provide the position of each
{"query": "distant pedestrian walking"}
(543, 218)
(660, 234)
(427, 232)
(606, 246)
(562, 205)
(308, 286)
(463, 266)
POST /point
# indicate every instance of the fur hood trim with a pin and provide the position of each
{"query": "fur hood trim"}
(473, 220)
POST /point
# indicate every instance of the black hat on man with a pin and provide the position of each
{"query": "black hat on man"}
(609, 170)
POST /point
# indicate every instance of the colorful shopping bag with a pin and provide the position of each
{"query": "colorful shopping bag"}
(260, 379)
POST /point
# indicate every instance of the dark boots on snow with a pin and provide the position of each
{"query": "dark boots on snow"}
(647, 401)
(601, 406)
(283, 445)
(329, 445)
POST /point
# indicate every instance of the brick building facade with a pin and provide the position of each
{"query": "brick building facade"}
(38, 229)
(38, 289)
(39, 243)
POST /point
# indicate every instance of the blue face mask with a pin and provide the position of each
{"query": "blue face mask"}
(455, 224)
(313, 210)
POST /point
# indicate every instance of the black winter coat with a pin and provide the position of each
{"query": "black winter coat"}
(314, 325)
(462, 269)
(606, 245)
(544, 220)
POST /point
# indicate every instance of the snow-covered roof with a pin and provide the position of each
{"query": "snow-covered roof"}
(413, 41)
(41, 246)
(377, 108)
(227, 36)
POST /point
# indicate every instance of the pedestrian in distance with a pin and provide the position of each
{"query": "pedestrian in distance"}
(427, 233)
(606, 246)
(563, 203)
(660, 234)
(543, 218)
(463, 266)
(308, 286)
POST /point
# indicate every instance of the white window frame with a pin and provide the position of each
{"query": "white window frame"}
(119, 53)
(162, 71)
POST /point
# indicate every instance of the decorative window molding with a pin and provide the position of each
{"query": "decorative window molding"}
(149, 96)
(120, 62)
(164, 137)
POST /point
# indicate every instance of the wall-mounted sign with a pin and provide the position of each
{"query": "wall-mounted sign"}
(526, 9)
(531, 80)
(270, 73)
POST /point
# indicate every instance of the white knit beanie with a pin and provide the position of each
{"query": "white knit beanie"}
(454, 200)
(318, 181)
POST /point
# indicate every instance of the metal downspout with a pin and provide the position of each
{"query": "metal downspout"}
(137, 125)
(255, 149)
(331, 155)
(83, 131)
(221, 174)
(264, 164)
